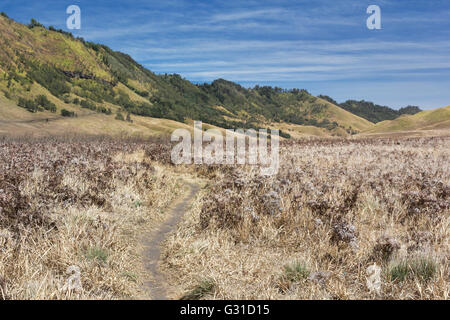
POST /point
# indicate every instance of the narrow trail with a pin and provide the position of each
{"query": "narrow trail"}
(157, 284)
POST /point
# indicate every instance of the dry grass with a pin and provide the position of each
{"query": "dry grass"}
(336, 208)
(419, 124)
(83, 204)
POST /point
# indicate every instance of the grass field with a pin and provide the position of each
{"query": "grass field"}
(343, 219)
(69, 206)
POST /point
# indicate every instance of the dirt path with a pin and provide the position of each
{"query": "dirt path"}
(156, 286)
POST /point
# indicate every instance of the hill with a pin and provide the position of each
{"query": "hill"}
(420, 123)
(49, 73)
(371, 111)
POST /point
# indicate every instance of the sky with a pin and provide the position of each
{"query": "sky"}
(323, 46)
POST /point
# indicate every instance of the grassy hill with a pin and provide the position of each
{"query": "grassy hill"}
(430, 120)
(16, 121)
(47, 73)
(371, 111)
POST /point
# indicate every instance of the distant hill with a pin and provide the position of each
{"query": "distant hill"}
(373, 112)
(437, 119)
(51, 74)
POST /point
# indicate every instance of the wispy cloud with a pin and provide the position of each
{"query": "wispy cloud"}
(248, 14)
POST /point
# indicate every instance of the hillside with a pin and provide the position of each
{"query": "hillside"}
(371, 111)
(51, 74)
(430, 120)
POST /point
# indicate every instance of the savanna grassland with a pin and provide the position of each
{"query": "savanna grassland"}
(343, 219)
(77, 208)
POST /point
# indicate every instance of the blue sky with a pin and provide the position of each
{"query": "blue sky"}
(323, 46)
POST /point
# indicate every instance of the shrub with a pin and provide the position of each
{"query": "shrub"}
(50, 78)
(296, 271)
(42, 101)
(202, 289)
(34, 23)
(66, 113)
(129, 118)
(95, 90)
(119, 116)
(102, 109)
(88, 105)
(30, 105)
(284, 134)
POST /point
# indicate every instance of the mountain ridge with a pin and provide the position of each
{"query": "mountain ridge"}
(370, 111)
(45, 70)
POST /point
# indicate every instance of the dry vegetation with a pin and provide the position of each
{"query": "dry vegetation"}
(78, 205)
(337, 212)
(343, 219)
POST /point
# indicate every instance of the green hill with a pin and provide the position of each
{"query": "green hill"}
(49, 72)
(437, 119)
(371, 111)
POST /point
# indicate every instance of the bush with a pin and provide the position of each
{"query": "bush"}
(285, 135)
(119, 116)
(95, 90)
(30, 105)
(66, 113)
(88, 105)
(129, 118)
(42, 101)
(295, 272)
(104, 110)
(50, 78)
(203, 288)
(34, 24)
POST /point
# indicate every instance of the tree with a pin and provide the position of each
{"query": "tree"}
(34, 23)
(66, 113)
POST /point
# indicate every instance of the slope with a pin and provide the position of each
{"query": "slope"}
(371, 111)
(48, 70)
(437, 119)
